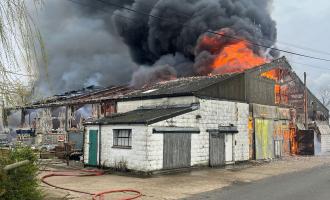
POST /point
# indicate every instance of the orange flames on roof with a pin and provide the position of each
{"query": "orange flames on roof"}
(230, 56)
(236, 58)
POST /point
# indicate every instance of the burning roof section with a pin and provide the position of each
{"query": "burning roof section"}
(178, 87)
(189, 85)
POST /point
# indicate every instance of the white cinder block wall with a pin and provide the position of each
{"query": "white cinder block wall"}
(147, 148)
(134, 158)
(213, 113)
(325, 143)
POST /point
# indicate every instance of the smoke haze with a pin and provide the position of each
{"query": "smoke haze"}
(103, 45)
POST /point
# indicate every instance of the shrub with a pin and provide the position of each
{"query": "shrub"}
(20, 183)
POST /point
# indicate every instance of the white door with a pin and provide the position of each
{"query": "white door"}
(229, 147)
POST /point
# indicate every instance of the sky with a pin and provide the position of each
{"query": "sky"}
(305, 23)
(299, 22)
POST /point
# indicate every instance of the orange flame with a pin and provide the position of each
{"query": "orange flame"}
(236, 57)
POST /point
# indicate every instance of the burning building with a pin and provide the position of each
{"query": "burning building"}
(204, 120)
(253, 112)
(203, 93)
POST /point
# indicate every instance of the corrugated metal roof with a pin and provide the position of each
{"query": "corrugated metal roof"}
(145, 115)
(183, 86)
(323, 127)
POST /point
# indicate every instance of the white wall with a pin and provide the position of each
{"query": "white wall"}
(147, 148)
(325, 143)
(134, 158)
(126, 106)
(213, 113)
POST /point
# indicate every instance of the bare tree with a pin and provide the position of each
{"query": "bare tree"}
(20, 47)
(325, 95)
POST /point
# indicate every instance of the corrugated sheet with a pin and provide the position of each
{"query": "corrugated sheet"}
(323, 127)
(264, 144)
(266, 112)
(283, 113)
(179, 86)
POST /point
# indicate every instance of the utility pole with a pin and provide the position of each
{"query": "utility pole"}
(305, 102)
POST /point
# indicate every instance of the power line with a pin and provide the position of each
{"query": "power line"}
(187, 16)
(213, 32)
(103, 10)
(308, 65)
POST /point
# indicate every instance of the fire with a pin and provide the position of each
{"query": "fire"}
(236, 57)
(219, 54)
(272, 74)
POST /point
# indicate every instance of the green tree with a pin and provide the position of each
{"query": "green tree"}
(20, 183)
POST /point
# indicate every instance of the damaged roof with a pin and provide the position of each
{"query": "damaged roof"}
(145, 115)
(91, 94)
(181, 86)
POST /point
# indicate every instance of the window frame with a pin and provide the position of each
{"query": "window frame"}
(120, 141)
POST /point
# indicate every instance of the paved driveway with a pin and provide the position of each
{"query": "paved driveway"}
(183, 185)
(304, 185)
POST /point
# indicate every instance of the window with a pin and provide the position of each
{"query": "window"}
(122, 138)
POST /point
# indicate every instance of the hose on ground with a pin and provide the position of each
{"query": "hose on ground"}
(83, 173)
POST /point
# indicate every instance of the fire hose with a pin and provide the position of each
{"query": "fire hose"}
(88, 173)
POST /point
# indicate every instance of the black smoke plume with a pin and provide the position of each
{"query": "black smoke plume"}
(107, 45)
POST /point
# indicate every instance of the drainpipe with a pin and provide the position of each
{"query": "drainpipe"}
(100, 145)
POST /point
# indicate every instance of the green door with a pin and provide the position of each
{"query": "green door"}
(92, 155)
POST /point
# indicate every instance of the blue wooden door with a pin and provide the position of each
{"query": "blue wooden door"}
(92, 155)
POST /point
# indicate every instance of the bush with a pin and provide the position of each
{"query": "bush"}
(20, 183)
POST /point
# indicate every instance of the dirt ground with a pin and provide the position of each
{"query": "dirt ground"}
(179, 185)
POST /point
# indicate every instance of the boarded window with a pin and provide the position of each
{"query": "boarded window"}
(122, 138)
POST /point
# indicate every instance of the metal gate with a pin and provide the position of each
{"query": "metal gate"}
(177, 150)
(92, 150)
(217, 149)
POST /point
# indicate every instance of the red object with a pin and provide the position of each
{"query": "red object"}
(89, 173)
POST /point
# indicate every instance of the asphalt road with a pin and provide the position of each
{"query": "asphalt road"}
(304, 185)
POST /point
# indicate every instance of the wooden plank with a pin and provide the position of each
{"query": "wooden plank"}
(217, 149)
(177, 150)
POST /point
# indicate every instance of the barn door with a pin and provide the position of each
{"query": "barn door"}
(264, 141)
(177, 150)
(92, 150)
(217, 149)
